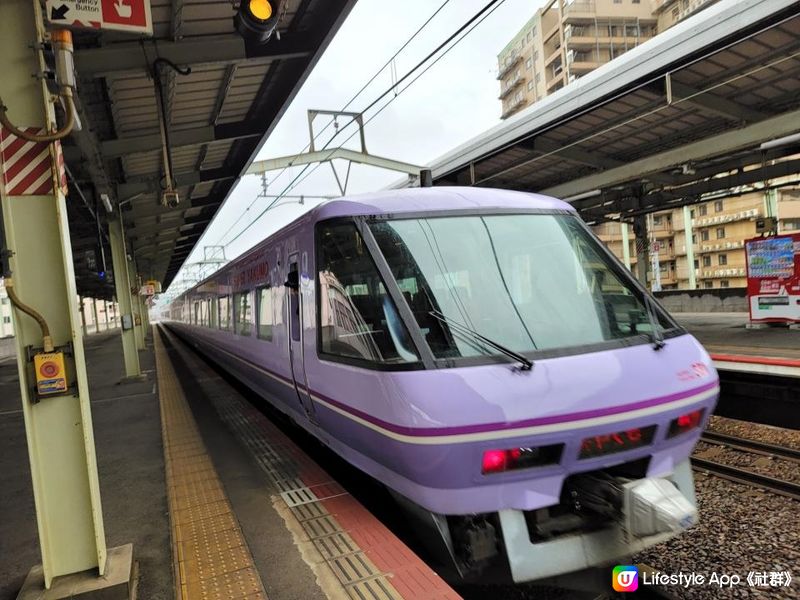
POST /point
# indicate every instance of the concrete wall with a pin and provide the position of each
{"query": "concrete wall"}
(704, 301)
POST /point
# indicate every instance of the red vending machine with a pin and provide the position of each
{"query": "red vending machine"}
(773, 278)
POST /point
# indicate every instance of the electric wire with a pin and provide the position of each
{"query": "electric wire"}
(469, 26)
(390, 61)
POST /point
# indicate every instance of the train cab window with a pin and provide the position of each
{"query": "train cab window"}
(530, 282)
(358, 321)
(242, 313)
(265, 318)
(224, 312)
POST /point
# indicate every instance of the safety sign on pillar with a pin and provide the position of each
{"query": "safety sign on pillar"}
(133, 16)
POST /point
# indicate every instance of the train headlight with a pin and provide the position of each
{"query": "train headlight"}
(499, 461)
(685, 423)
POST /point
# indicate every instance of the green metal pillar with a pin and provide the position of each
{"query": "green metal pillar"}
(60, 438)
(137, 306)
(688, 232)
(642, 243)
(82, 310)
(122, 285)
(626, 250)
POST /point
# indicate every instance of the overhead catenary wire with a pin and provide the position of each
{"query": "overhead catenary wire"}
(464, 29)
(388, 63)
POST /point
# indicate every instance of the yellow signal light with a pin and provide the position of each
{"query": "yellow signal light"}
(260, 9)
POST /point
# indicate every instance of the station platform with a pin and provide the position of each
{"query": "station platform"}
(217, 501)
(771, 350)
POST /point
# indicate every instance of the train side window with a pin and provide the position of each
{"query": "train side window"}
(242, 313)
(224, 318)
(358, 320)
(264, 316)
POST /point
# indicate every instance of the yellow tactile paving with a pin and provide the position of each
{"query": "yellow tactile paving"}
(212, 560)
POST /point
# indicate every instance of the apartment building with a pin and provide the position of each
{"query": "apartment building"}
(716, 230)
(564, 40)
(669, 12)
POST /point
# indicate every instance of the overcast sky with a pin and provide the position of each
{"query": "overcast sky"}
(454, 101)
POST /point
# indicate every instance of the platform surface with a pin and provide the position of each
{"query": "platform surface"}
(217, 500)
(130, 460)
(727, 334)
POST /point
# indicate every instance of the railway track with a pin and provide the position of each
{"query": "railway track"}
(789, 489)
(752, 446)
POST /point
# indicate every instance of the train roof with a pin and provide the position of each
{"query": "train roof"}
(435, 199)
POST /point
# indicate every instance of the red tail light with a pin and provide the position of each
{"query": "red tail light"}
(686, 422)
(498, 461)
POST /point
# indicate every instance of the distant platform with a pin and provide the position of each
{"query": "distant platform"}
(772, 350)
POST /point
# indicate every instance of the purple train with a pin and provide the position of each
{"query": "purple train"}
(481, 354)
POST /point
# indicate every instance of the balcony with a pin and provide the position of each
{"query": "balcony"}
(512, 108)
(510, 63)
(579, 10)
(511, 86)
(789, 209)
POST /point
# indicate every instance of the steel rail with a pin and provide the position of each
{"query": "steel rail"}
(752, 446)
(750, 478)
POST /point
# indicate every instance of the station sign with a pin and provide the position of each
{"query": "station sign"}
(147, 290)
(132, 16)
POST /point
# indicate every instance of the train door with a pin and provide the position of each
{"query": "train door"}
(295, 322)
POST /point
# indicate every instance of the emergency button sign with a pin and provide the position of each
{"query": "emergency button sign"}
(121, 15)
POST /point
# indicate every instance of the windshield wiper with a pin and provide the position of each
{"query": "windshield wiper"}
(527, 364)
(656, 334)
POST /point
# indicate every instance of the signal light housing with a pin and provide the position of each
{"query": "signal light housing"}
(511, 459)
(256, 20)
(686, 423)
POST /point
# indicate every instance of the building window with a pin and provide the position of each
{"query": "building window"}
(657, 220)
(538, 77)
(533, 30)
(720, 233)
(704, 235)
(724, 283)
(529, 37)
(357, 320)
(530, 85)
(694, 238)
(243, 313)
(702, 210)
(723, 259)
(708, 284)
(676, 12)
(528, 64)
(6, 320)
(718, 206)
(706, 261)
(224, 318)
(636, 1)
(696, 264)
(691, 214)
(535, 55)
(264, 313)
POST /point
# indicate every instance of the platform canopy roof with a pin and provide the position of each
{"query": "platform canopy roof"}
(661, 124)
(218, 117)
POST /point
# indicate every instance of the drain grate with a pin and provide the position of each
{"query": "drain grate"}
(298, 496)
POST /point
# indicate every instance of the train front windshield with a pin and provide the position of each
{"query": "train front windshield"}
(530, 282)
